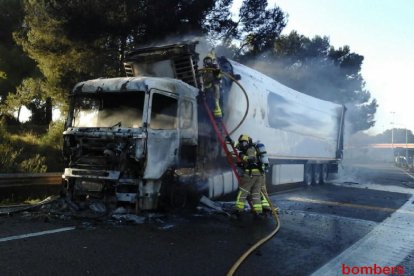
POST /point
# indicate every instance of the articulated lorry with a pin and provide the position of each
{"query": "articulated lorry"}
(146, 138)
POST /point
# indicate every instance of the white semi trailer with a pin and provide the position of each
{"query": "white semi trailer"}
(146, 138)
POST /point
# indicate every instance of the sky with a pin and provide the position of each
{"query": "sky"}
(380, 30)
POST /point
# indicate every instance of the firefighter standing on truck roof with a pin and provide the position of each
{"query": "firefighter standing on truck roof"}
(211, 83)
(252, 179)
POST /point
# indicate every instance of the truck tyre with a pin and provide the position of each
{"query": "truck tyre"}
(324, 174)
(316, 174)
(308, 175)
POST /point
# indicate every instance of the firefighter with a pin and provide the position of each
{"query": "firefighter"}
(252, 178)
(211, 84)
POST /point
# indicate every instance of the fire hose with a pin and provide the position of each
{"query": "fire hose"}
(275, 216)
(260, 242)
(242, 89)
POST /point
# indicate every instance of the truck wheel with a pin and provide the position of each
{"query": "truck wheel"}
(308, 175)
(324, 174)
(316, 174)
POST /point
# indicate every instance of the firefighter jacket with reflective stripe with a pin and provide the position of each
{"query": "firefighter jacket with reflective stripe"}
(250, 161)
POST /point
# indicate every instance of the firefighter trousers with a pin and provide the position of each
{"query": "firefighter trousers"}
(265, 203)
(250, 185)
(213, 99)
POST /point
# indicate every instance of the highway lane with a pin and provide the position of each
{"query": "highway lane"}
(318, 224)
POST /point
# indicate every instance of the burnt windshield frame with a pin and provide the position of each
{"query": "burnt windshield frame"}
(122, 109)
(163, 117)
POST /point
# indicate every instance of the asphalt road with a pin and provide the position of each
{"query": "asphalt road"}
(321, 227)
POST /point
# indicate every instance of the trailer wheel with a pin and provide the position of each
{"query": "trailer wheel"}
(316, 174)
(308, 175)
(324, 174)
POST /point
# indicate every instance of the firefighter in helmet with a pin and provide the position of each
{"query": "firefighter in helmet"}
(211, 84)
(252, 179)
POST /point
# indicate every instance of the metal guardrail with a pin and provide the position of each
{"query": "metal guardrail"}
(11, 180)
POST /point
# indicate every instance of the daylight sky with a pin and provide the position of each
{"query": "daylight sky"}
(380, 30)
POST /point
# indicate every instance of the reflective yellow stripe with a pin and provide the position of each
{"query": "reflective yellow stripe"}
(240, 205)
(257, 208)
(217, 113)
(239, 202)
(265, 203)
(252, 170)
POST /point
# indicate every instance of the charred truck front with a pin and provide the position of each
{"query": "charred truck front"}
(124, 137)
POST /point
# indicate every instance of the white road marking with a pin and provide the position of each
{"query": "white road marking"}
(386, 245)
(407, 173)
(23, 236)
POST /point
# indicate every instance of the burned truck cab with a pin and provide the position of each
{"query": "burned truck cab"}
(124, 135)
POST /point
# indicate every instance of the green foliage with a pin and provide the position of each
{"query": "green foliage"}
(54, 138)
(8, 153)
(9, 158)
(14, 64)
(29, 94)
(26, 152)
(219, 25)
(34, 164)
(76, 40)
(256, 29)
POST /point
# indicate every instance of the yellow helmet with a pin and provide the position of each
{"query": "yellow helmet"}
(245, 137)
(210, 56)
(208, 60)
(244, 142)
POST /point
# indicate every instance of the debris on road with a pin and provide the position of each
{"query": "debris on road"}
(130, 218)
(212, 205)
(98, 207)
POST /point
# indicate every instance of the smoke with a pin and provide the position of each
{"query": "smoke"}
(320, 78)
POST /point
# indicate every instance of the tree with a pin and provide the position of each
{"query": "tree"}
(260, 26)
(255, 30)
(77, 40)
(15, 65)
(219, 25)
(30, 94)
(400, 135)
(316, 68)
